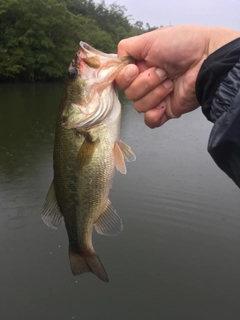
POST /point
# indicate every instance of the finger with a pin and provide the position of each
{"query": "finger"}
(154, 97)
(142, 65)
(126, 76)
(145, 83)
(133, 46)
(156, 117)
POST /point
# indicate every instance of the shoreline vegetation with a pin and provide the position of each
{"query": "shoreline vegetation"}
(38, 38)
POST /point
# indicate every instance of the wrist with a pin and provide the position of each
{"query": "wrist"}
(219, 37)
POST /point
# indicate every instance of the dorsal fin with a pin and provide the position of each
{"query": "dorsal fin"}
(109, 223)
(51, 213)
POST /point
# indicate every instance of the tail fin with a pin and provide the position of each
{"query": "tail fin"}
(87, 263)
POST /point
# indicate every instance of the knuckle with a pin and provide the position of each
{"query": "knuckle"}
(149, 122)
(121, 44)
(149, 82)
(160, 92)
(138, 107)
(129, 94)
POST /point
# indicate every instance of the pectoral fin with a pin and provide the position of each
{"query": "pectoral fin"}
(123, 152)
(126, 151)
(86, 151)
(51, 214)
(109, 223)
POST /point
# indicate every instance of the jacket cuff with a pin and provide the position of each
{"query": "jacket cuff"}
(213, 71)
(224, 140)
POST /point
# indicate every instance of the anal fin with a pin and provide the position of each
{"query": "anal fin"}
(109, 223)
(51, 214)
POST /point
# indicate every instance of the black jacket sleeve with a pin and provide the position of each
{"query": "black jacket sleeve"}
(218, 92)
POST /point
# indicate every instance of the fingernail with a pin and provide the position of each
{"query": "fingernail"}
(161, 73)
(130, 73)
(168, 84)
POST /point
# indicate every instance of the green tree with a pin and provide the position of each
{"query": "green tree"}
(34, 38)
(112, 19)
(38, 38)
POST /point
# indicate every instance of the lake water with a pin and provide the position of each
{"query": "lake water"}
(178, 257)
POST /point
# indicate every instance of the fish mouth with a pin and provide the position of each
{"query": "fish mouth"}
(93, 70)
(88, 49)
(86, 52)
(94, 59)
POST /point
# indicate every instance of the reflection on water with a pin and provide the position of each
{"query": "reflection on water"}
(179, 254)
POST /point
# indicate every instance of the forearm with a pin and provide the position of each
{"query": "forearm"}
(218, 92)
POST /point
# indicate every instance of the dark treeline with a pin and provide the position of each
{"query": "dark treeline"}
(39, 37)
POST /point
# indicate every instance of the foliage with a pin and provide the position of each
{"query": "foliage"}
(31, 32)
(39, 37)
(111, 19)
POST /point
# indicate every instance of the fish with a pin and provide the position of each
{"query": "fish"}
(87, 153)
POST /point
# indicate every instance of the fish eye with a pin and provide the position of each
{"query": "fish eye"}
(72, 73)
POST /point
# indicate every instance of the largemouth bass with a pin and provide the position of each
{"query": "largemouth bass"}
(87, 152)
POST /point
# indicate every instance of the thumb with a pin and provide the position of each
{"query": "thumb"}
(133, 46)
(126, 76)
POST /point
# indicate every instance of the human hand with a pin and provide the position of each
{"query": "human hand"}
(162, 83)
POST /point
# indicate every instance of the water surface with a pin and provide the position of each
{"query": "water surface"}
(178, 257)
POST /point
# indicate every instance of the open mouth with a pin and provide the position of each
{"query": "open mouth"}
(88, 49)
